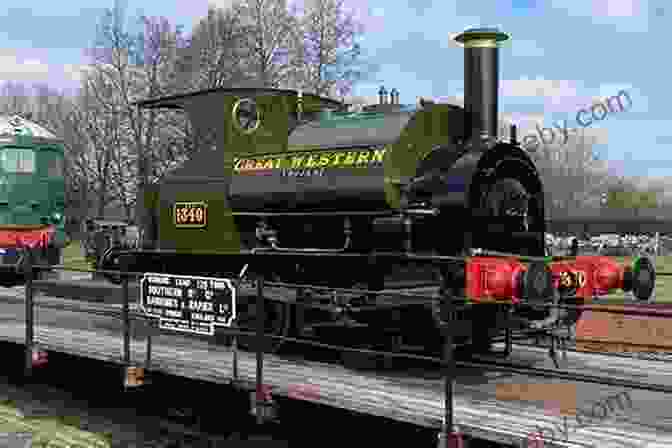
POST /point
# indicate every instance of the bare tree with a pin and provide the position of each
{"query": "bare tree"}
(573, 178)
(15, 99)
(79, 183)
(97, 138)
(128, 67)
(262, 43)
(271, 40)
(214, 55)
(330, 57)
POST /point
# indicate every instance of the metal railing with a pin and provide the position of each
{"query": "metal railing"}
(447, 361)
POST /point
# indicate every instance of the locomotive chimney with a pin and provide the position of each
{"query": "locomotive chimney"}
(481, 79)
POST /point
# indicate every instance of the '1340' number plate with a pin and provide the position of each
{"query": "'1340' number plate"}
(190, 214)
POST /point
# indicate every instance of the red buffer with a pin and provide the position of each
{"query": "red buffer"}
(452, 440)
(590, 276)
(490, 279)
(39, 357)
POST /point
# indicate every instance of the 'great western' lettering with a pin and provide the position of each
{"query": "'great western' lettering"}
(311, 160)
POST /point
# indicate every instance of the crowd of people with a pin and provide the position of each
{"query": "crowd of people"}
(607, 244)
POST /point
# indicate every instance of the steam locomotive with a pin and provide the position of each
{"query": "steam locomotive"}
(295, 188)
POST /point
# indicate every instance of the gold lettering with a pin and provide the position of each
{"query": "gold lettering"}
(363, 158)
(378, 155)
(350, 158)
(297, 162)
(324, 160)
(311, 161)
(306, 161)
(336, 160)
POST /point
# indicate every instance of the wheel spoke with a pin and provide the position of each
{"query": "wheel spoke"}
(276, 324)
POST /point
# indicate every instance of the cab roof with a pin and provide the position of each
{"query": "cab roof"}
(178, 101)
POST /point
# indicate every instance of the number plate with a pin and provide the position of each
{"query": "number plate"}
(190, 214)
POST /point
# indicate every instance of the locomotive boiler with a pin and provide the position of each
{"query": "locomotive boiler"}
(295, 188)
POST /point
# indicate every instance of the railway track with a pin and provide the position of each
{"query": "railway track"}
(630, 351)
(605, 348)
(625, 350)
(475, 386)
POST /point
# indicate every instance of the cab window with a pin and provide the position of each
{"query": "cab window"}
(15, 160)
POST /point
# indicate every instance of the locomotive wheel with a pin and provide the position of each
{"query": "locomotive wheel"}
(480, 340)
(507, 201)
(572, 316)
(277, 323)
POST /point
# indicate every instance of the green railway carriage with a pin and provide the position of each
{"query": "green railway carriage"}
(32, 196)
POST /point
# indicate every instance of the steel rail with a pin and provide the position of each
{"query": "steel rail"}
(487, 364)
(136, 316)
(421, 299)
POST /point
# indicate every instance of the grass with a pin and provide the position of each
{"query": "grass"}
(49, 431)
(73, 257)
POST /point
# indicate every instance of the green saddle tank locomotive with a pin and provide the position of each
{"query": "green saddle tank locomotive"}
(294, 187)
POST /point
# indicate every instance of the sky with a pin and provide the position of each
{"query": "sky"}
(563, 56)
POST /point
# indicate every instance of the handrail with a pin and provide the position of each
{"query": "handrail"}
(391, 293)
(270, 236)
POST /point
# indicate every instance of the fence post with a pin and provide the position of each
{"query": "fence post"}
(655, 255)
(234, 348)
(123, 264)
(260, 351)
(100, 244)
(148, 359)
(234, 329)
(448, 437)
(28, 272)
